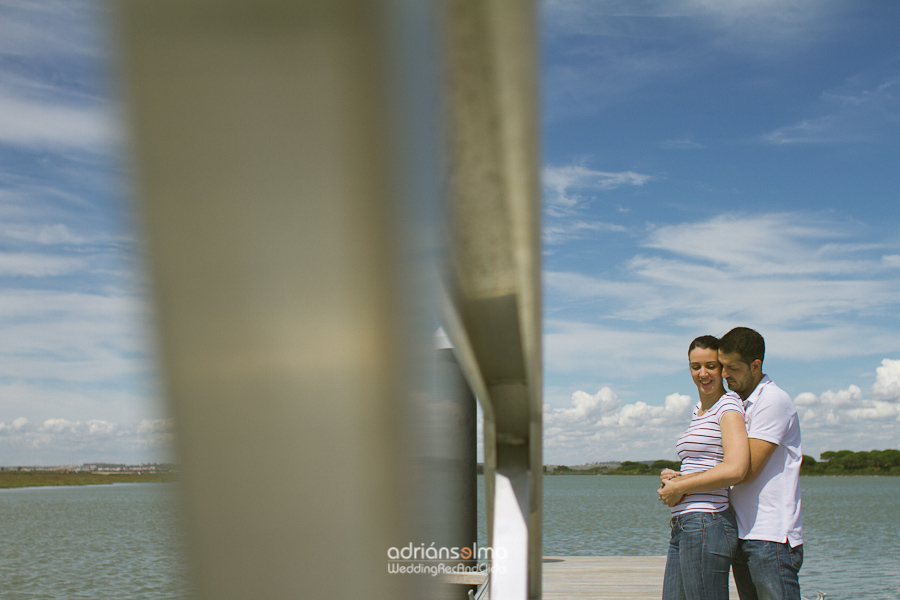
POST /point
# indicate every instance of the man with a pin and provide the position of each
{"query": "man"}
(767, 501)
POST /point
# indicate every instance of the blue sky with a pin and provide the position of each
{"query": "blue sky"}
(709, 164)
(706, 164)
(76, 375)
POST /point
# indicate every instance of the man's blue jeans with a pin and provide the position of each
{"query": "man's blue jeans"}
(767, 570)
(699, 556)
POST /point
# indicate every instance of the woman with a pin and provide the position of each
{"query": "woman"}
(714, 454)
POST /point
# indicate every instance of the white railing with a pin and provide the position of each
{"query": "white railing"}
(492, 314)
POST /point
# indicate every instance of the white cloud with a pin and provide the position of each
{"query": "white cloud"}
(52, 29)
(847, 418)
(803, 279)
(681, 144)
(46, 107)
(887, 381)
(806, 399)
(44, 234)
(75, 357)
(877, 411)
(764, 244)
(641, 414)
(735, 25)
(570, 191)
(73, 337)
(97, 427)
(571, 347)
(57, 426)
(560, 233)
(26, 443)
(842, 399)
(38, 265)
(597, 426)
(570, 186)
(822, 130)
(605, 52)
(858, 111)
(147, 426)
(42, 125)
(578, 286)
(587, 409)
(817, 290)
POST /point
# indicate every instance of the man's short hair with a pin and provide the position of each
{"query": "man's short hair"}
(745, 342)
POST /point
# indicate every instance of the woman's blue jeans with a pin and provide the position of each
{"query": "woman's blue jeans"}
(699, 557)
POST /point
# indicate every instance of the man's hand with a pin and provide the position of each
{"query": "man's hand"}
(669, 492)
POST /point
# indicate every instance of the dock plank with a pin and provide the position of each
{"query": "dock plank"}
(605, 577)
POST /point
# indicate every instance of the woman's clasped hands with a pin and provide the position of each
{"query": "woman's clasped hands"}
(668, 489)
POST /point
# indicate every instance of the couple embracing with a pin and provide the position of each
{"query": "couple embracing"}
(736, 501)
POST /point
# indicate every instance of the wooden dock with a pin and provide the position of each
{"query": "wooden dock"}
(605, 577)
(595, 577)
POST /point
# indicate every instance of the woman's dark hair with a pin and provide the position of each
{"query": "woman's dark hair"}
(709, 342)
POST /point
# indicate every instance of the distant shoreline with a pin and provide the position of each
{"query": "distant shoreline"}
(607, 474)
(877, 463)
(23, 479)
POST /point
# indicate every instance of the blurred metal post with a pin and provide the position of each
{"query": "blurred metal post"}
(491, 307)
(278, 145)
(274, 170)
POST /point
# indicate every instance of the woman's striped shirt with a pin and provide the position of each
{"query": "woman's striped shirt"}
(700, 449)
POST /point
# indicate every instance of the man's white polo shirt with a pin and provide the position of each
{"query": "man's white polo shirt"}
(768, 508)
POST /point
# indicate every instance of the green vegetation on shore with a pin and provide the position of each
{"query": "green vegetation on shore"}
(847, 462)
(626, 468)
(842, 462)
(19, 479)
(641, 468)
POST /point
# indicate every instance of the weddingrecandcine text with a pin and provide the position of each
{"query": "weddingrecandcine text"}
(395, 568)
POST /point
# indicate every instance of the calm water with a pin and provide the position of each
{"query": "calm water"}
(851, 528)
(121, 542)
(113, 542)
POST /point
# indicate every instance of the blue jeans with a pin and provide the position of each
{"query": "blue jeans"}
(699, 556)
(767, 570)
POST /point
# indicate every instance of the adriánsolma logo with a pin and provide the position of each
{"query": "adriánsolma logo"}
(433, 560)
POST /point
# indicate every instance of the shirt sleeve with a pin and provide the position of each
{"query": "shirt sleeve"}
(771, 418)
(730, 403)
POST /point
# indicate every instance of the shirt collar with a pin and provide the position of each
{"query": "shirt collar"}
(755, 394)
